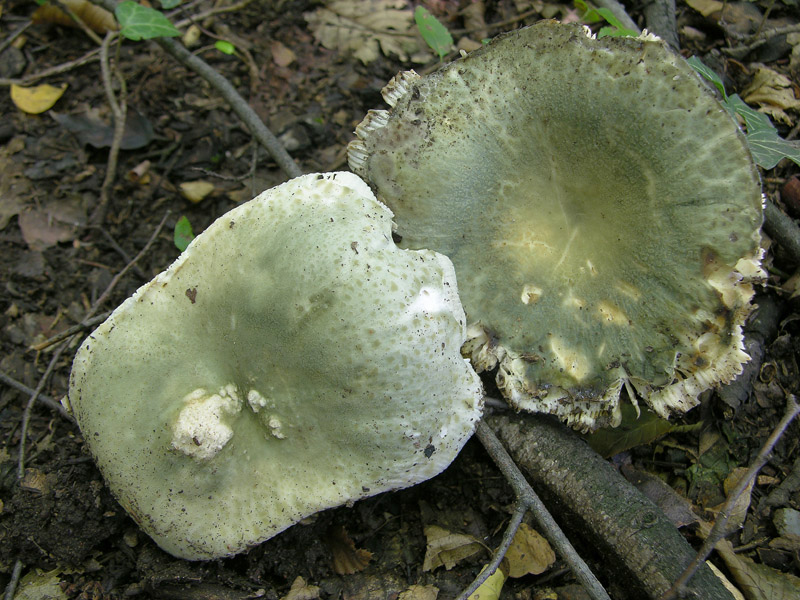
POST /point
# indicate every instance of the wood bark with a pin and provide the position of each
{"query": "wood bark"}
(638, 548)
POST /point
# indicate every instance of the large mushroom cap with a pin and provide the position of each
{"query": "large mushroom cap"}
(600, 207)
(291, 360)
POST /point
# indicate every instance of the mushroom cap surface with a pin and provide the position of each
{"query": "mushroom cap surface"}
(600, 206)
(292, 359)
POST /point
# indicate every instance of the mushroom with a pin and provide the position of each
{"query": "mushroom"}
(292, 359)
(600, 206)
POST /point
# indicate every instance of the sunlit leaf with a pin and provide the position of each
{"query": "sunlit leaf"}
(35, 100)
(433, 32)
(183, 233)
(142, 23)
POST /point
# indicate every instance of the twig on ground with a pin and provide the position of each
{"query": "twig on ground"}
(660, 18)
(15, 34)
(82, 326)
(498, 24)
(46, 400)
(78, 21)
(527, 499)
(782, 229)
(119, 111)
(65, 344)
(718, 530)
(251, 120)
(90, 56)
(26, 414)
(11, 588)
(208, 13)
(119, 250)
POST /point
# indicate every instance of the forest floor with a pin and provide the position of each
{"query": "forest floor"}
(61, 525)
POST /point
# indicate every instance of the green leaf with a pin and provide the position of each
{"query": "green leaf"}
(433, 32)
(768, 148)
(595, 15)
(139, 22)
(167, 4)
(708, 73)
(633, 431)
(225, 47)
(754, 120)
(183, 233)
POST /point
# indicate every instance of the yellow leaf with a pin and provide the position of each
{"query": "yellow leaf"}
(491, 588)
(529, 553)
(195, 191)
(705, 7)
(35, 100)
(447, 549)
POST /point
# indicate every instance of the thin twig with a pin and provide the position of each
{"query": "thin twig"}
(14, 35)
(119, 111)
(239, 105)
(46, 400)
(26, 415)
(77, 328)
(11, 588)
(528, 498)
(87, 58)
(718, 530)
(119, 250)
(210, 12)
(78, 21)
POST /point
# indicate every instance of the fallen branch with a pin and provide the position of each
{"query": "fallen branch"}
(638, 546)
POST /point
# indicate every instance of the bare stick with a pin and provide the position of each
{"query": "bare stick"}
(782, 229)
(90, 56)
(82, 326)
(251, 120)
(12, 583)
(718, 531)
(15, 34)
(528, 498)
(119, 111)
(46, 400)
(516, 519)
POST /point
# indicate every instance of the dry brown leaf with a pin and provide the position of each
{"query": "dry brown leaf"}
(56, 222)
(366, 28)
(757, 581)
(447, 549)
(529, 553)
(281, 55)
(739, 511)
(300, 590)
(37, 99)
(420, 592)
(773, 93)
(97, 19)
(347, 559)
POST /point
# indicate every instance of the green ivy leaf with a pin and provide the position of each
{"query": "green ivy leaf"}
(595, 15)
(709, 74)
(433, 32)
(225, 47)
(768, 148)
(183, 233)
(634, 430)
(139, 22)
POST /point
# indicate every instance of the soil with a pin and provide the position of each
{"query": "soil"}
(60, 517)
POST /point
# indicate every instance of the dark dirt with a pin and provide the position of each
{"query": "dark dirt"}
(61, 517)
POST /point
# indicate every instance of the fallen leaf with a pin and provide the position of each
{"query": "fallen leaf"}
(529, 553)
(300, 590)
(757, 581)
(40, 585)
(56, 222)
(491, 588)
(195, 191)
(739, 511)
(90, 129)
(365, 28)
(447, 549)
(773, 93)
(419, 592)
(281, 55)
(35, 100)
(705, 7)
(96, 18)
(634, 430)
(347, 559)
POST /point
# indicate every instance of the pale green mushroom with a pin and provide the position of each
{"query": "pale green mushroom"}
(600, 206)
(291, 360)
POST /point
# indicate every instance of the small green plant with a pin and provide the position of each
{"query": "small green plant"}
(183, 233)
(225, 47)
(596, 15)
(766, 146)
(433, 32)
(139, 22)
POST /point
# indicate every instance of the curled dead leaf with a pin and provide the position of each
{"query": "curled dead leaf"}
(347, 559)
(529, 553)
(37, 99)
(446, 548)
(96, 18)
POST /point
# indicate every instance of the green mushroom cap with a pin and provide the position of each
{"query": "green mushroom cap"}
(291, 360)
(600, 206)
